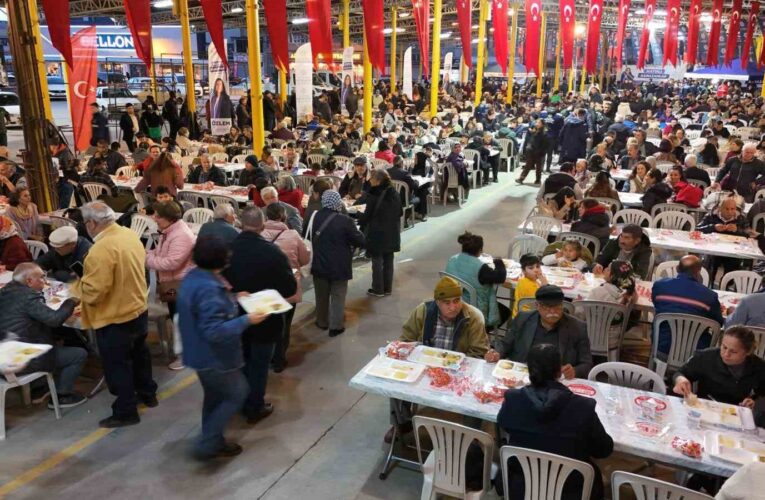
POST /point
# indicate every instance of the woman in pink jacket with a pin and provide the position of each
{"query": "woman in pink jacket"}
(171, 256)
(290, 242)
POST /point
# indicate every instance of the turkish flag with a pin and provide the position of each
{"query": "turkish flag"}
(670, 32)
(57, 17)
(733, 28)
(714, 34)
(464, 19)
(593, 36)
(694, 15)
(533, 27)
(276, 20)
(421, 20)
(499, 20)
(650, 7)
(374, 23)
(138, 13)
(754, 10)
(319, 13)
(621, 27)
(213, 12)
(567, 27)
(83, 73)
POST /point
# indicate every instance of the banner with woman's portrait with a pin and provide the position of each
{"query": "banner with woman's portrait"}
(221, 110)
(347, 86)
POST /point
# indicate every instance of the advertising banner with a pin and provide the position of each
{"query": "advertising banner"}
(82, 85)
(303, 80)
(347, 86)
(221, 111)
(408, 72)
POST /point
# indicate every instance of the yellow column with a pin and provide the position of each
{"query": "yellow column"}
(542, 47)
(435, 55)
(511, 65)
(346, 23)
(603, 57)
(584, 78)
(188, 64)
(394, 15)
(482, 14)
(35, 17)
(367, 87)
(256, 86)
(556, 78)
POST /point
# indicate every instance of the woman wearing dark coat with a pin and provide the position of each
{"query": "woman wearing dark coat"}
(593, 220)
(381, 225)
(656, 190)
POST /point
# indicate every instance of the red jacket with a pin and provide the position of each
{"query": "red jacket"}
(256, 199)
(294, 198)
(13, 251)
(688, 194)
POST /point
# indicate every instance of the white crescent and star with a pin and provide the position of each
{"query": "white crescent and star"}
(716, 15)
(534, 15)
(567, 12)
(595, 11)
(77, 91)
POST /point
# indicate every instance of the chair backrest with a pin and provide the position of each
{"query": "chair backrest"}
(633, 216)
(36, 248)
(542, 226)
(648, 488)
(629, 375)
(186, 162)
(759, 194)
(471, 155)
(219, 157)
(599, 316)
(335, 180)
(530, 304)
(379, 163)
(692, 134)
(749, 133)
(316, 158)
(698, 183)
(468, 292)
(545, 474)
(453, 179)
(588, 241)
(127, 171)
(95, 189)
(142, 225)
(304, 182)
(402, 186)
(612, 203)
(57, 222)
(504, 145)
(523, 244)
(758, 223)
(685, 331)
(238, 159)
(664, 207)
(674, 220)
(450, 448)
(215, 200)
(176, 157)
(664, 166)
(743, 281)
(198, 215)
(196, 199)
(759, 337)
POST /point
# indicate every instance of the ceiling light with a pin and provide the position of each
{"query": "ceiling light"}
(300, 20)
(404, 15)
(447, 34)
(640, 12)
(388, 31)
(237, 10)
(475, 26)
(455, 23)
(511, 12)
(163, 4)
(579, 29)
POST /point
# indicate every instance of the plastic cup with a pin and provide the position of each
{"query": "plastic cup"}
(694, 419)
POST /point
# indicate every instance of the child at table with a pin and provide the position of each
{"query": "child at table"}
(531, 280)
(569, 255)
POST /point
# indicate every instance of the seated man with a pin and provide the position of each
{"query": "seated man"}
(270, 195)
(685, 294)
(726, 219)
(207, 172)
(222, 226)
(632, 246)
(25, 315)
(549, 324)
(68, 253)
(418, 195)
(558, 180)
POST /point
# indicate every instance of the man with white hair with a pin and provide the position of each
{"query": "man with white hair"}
(270, 195)
(114, 298)
(691, 171)
(222, 226)
(744, 173)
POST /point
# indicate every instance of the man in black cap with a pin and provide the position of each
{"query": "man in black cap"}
(356, 183)
(252, 170)
(549, 324)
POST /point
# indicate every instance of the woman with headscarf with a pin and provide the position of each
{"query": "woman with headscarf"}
(13, 250)
(333, 237)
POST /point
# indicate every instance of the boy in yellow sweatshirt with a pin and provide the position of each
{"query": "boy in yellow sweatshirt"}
(531, 280)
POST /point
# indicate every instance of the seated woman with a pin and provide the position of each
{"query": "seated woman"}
(13, 250)
(482, 277)
(547, 416)
(593, 220)
(569, 255)
(685, 194)
(665, 152)
(315, 170)
(708, 154)
(602, 187)
(656, 191)
(636, 181)
(384, 152)
(561, 206)
(289, 192)
(582, 175)
(24, 213)
(369, 145)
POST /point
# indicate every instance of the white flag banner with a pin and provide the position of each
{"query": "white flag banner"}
(221, 107)
(447, 67)
(303, 81)
(348, 86)
(408, 72)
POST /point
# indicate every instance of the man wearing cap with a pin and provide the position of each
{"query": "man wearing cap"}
(549, 324)
(356, 183)
(64, 262)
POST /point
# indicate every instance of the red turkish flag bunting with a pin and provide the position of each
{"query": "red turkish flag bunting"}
(213, 12)
(319, 14)
(464, 19)
(754, 10)
(138, 13)
(713, 51)
(650, 7)
(670, 32)
(421, 20)
(82, 83)
(593, 36)
(621, 28)
(57, 17)
(694, 16)
(374, 24)
(567, 28)
(533, 27)
(276, 20)
(733, 29)
(499, 20)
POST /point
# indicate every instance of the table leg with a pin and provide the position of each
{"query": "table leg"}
(392, 458)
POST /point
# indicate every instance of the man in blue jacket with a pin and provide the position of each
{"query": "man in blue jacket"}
(573, 137)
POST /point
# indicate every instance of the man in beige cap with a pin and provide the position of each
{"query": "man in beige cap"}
(64, 262)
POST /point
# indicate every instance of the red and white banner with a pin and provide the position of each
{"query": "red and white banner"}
(533, 29)
(713, 53)
(464, 19)
(694, 19)
(750, 27)
(567, 31)
(670, 33)
(499, 21)
(650, 7)
(593, 36)
(733, 29)
(374, 24)
(276, 19)
(83, 80)
(213, 12)
(319, 14)
(57, 17)
(621, 28)
(422, 22)
(138, 13)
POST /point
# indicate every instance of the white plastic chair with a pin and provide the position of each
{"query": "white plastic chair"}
(759, 337)
(613, 204)
(142, 225)
(402, 188)
(664, 166)
(685, 331)
(664, 207)
(304, 182)
(523, 244)
(186, 163)
(633, 216)
(588, 241)
(95, 189)
(23, 381)
(36, 248)
(674, 220)
(380, 164)
(453, 184)
(198, 215)
(743, 281)
(668, 269)
(472, 158)
(698, 183)
(316, 158)
(599, 316)
(648, 488)
(629, 375)
(223, 157)
(238, 159)
(215, 200)
(542, 226)
(758, 221)
(127, 171)
(443, 470)
(196, 199)
(545, 474)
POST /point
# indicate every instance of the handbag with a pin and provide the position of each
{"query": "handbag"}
(168, 290)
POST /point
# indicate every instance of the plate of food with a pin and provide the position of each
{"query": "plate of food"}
(265, 302)
(510, 373)
(733, 449)
(717, 414)
(399, 349)
(17, 354)
(432, 356)
(488, 392)
(395, 369)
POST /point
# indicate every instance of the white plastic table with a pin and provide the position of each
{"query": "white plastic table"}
(709, 244)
